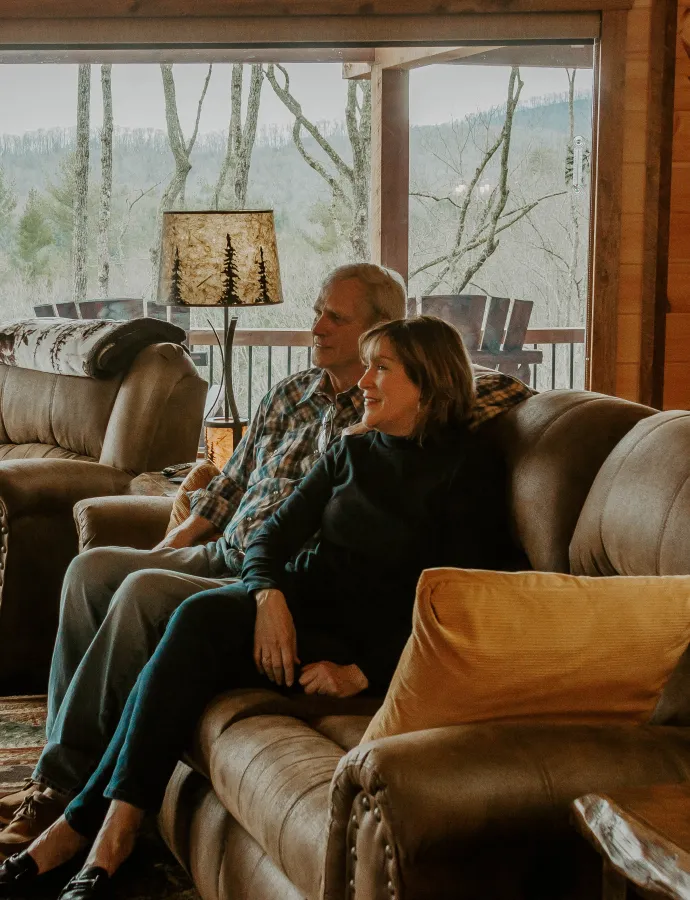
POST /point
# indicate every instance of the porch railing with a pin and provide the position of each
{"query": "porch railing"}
(263, 356)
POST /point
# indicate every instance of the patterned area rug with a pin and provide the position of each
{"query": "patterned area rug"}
(151, 873)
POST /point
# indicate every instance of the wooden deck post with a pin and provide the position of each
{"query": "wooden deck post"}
(390, 167)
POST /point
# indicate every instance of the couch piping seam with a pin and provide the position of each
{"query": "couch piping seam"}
(2, 414)
(51, 411)
(294, 803)
(665, 524)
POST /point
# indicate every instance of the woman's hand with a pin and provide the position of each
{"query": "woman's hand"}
(333, 680)
(275, 638)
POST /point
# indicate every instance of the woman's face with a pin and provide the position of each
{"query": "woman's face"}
(391, 400)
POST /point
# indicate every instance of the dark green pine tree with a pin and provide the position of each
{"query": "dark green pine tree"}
(230, 276)
(263, 280)
(175, 295)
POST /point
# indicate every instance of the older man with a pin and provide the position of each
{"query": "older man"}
(116, 601)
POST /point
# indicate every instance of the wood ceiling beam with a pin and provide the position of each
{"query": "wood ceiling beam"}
(406, 58)
(138, 9)
(287, 31)
(357, 71)
(416, 57)
(185, 55)
(551, 56)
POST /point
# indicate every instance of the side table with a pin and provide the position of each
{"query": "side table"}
(643, 836)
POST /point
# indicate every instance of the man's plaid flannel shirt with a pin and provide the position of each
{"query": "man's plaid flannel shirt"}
(295, 423)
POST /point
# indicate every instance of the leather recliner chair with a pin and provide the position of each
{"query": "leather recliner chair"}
(64, 438)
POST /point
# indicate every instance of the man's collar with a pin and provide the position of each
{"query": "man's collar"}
(321, 386)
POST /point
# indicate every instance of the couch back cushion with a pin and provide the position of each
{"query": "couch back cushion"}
(636, 521)
(42, 412)
(555, 443)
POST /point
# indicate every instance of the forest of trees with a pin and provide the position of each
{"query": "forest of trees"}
(492, 208)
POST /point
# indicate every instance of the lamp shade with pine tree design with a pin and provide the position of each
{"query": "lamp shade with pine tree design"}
(219, 258)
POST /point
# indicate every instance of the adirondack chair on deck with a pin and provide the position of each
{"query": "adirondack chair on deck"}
(494, 332)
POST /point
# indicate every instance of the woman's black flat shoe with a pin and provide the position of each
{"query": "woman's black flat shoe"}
(16, 873)
(89, 884)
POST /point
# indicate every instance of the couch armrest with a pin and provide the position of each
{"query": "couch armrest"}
(434, 807)
(129, 521)
(28, 486)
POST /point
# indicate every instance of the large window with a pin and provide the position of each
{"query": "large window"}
(500, 187)
(500, 158)
(169, 145)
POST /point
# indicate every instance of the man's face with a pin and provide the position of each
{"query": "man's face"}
(340, 317)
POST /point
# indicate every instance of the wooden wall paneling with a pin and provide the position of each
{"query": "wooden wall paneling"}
(390, 168)
(676, 387)
(607, 179)
(681, 178)
(679, 286)
(678, 338)
(657, 194)
(633, 194)
(627, 381)
(681, 136)
(633, 142)
(630, 289)
(677, 369)
(629, 338)
(678, 238)
(75, 9)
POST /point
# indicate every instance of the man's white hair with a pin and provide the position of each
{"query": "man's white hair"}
(385, 289)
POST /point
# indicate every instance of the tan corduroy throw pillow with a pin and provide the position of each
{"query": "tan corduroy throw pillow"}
(198, 478)
(534, 645)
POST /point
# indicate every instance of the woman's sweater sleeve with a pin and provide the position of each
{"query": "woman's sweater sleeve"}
(290, 527)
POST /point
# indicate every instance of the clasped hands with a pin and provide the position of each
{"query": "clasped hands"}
(275, 653)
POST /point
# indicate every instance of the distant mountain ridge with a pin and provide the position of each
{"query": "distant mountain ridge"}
(551, 114)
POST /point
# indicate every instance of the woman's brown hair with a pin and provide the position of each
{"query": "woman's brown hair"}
(436, 361)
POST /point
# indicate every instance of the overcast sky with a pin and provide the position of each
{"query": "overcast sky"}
(44, 96)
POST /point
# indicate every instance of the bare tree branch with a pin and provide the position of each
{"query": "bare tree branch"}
(434, 197)
(301, 121)
(490, 217)
(241, 139)
(349, 185)
(181, 151)
(192, 140)
(106, 182)
(81, 177)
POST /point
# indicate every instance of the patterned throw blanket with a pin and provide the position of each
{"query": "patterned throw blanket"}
(90, 348)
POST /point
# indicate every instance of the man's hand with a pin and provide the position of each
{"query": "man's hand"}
(333, 680)
(358, 428)
(275, 638)
(193, 529)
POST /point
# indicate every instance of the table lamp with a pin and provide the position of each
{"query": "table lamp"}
(220, 258)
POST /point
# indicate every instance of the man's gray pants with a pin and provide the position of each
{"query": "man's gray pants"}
(115, 605)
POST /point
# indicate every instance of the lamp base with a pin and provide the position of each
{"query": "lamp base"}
(221, 437)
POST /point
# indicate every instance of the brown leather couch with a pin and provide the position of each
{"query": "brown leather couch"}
(282, 803)
(63, 438)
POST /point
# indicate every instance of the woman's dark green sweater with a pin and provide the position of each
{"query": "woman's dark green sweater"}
(386, 508)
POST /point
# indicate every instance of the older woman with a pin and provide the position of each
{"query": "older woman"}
(419, 489)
